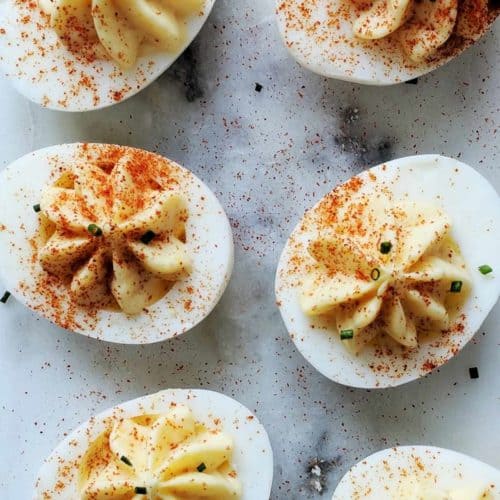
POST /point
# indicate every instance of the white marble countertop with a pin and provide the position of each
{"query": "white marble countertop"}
(268, 156)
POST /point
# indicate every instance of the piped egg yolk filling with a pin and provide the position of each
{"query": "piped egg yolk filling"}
(379, 267)
(114, 232)
(421, 26)
(415, 488)
(119, 29)
(159, 457)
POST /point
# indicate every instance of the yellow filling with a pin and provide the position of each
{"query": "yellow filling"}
(384, 268)
(115, 234)
(159, 457)
(420, 26)
(120, 27)
(413, 488)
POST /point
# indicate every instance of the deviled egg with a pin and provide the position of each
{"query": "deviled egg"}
(78, 55)
(381, 42)
(393, 272)
(112, 242)
(418, 473)
(175, 444)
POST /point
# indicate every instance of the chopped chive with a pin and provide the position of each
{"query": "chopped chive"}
(456, 286)
(141, 490)
(485, 269)
(5, 297)
(201, 467)
(147, 237)
(474, 372)
(346, 334)
(375, 274)
(37, 208)
(125, 460)
(385, 247)
(94, 230)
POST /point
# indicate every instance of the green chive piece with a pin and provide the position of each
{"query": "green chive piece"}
(5, 297)
(37, 208)
(141, 490)
(125, 460)
(375, 274)
(94, 230)
(346, 334)
(485, 269)
(385, 247)
(148, 237)
(456, 286)
(201, 467)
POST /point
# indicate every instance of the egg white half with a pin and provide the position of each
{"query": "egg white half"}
(47, 73)
(474, 208)
(209, 243)
(252, 457)
(379, 475)
(319, 35)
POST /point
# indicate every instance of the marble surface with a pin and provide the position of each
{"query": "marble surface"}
(268, 155)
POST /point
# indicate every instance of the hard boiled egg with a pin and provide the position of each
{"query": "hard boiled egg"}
(393, 272)
(163, 257)
(417, 472)
(382, 42)
(36, 39)
(246, 448)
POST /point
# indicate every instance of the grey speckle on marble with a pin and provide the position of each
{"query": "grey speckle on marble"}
(268, 155)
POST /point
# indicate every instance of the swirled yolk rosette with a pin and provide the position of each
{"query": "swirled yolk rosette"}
(381, 42)
(377, 268)
(160, 457)
(114, 231)
(178, 444)
(415, 487)
(419, 473)
(120, 28)
(420, 26)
